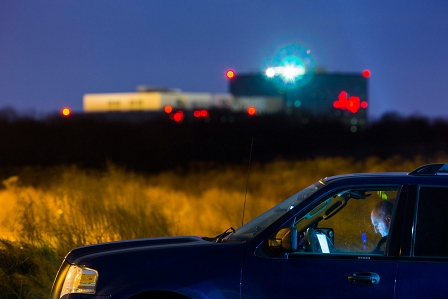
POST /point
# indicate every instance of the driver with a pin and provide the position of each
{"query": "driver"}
(381, 217)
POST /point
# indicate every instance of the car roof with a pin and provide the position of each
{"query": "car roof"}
(368, 175)
(425, 170)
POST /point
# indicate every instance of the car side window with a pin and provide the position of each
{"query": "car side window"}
(431, 222)
(351, 221)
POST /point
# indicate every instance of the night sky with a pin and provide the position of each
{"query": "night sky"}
(53, 52)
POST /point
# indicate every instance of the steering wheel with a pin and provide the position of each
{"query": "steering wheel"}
(313, 245)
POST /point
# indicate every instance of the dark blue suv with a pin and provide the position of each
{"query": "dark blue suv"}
(369, 235)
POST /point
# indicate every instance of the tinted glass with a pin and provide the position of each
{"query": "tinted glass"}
(432, 222)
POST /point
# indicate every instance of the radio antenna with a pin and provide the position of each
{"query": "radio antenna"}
(247, 180)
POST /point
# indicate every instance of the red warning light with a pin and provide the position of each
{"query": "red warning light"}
(230, 74)
(177, 117)
(66, 111)
(200, 113)
(351, 104)
(168, 109)
(251, 110)
(364, 104)
(354, 104)
(366, 73)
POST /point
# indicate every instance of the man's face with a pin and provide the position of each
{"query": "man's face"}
(381, 222)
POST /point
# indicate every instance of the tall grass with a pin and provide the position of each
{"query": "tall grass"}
(47, 212)
(26, 271)
(66, 207)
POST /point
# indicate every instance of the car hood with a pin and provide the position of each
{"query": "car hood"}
(170, 263)
(77, 254)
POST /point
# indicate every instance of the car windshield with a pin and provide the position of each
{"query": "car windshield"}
(258, 224)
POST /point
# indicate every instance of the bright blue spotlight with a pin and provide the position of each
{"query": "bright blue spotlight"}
(292, 67)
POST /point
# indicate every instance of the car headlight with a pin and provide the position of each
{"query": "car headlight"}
(79, 279)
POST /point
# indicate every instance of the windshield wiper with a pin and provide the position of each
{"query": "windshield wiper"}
(228, 231)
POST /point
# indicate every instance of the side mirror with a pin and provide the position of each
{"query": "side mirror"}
(285, 240)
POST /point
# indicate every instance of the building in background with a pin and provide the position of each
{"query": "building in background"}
(342, 97)
(177, 104)
(325, 96)
(150, 99)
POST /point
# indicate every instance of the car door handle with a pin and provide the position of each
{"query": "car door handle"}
(364, 278)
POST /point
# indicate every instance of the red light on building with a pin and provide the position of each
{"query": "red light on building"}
(251, 110)
(343, 95)
(230, 74)
(354, 104)
(200, 113)
(66, 111)
(366, 73)
(364, 104)
(342, 102)
(351, 104)
(178, 116)
(168, 109)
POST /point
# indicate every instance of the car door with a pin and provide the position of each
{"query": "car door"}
(423, 267)
(343, 268)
